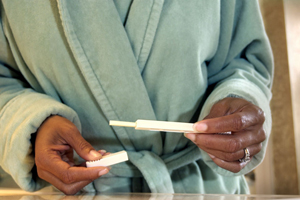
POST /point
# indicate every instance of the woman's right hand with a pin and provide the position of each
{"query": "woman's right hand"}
(56, 139)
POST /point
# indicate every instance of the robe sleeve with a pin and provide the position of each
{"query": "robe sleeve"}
(22, 110)
(242, 66)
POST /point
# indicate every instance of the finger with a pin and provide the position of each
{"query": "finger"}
(233, 122)
(76, 174)
(234, 167)
(69, 174)
(227, 143)
(69, 133)
(103, 153)
(231, 157)
(84, 149)
(69, 189)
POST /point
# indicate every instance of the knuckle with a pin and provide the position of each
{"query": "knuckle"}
(260, 114)
(260, 136)
(239, 123)
(263, 135)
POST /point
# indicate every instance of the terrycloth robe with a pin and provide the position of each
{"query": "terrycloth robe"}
(100, 60)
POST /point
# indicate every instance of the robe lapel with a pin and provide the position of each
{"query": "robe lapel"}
(104, 55)
(141, 27)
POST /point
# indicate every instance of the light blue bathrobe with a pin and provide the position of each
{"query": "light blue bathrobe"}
(99, 60)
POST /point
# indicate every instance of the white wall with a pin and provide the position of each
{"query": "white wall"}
(292, 23)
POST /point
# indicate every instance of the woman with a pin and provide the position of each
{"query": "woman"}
(68, 67)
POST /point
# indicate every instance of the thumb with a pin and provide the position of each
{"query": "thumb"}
(84, 149)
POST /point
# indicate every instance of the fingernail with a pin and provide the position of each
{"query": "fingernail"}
(201, 127)
(95, 154)
(103, 171)
(102, 152)
(190, 136)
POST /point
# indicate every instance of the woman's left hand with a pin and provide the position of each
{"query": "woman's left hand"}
(245, 122)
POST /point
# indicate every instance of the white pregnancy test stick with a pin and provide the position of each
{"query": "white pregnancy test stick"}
(153, 125)
(109, 160)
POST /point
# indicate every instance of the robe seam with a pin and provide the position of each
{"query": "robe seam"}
(149, 35)
(145, 34)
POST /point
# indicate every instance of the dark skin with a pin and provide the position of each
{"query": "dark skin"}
(57, 137)
(245, 121)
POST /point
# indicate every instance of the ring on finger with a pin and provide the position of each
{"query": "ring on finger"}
(246, 158)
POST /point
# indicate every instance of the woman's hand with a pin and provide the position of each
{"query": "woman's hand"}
(56, 138)
(245, 122)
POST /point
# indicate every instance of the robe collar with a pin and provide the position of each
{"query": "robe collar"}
(112, 59)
